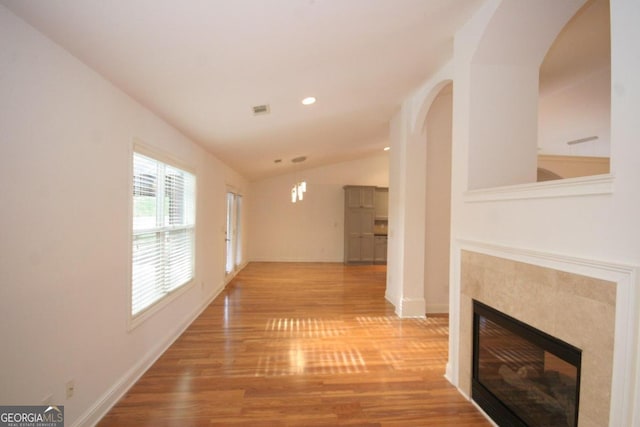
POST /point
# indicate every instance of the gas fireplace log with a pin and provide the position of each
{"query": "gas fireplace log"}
(535, 392)
(562, 388)
(529, 372)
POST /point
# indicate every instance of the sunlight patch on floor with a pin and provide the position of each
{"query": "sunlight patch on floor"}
(304, 328)
(312, 358)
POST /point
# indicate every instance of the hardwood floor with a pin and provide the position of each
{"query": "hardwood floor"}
(301, 345)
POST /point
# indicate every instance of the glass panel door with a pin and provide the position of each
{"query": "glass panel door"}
(237, 235)
(233, 243)
(229, 240)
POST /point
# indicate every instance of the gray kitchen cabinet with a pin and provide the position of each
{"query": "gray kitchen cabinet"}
(358, 196)
(380, 250)
(382, 203)
(358, 224)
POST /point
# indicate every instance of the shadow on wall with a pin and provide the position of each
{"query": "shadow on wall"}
(552, 167)
(547, 175)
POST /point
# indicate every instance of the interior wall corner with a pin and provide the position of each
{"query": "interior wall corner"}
(411, 308)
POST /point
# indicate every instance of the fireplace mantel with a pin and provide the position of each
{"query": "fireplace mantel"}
(586, 303)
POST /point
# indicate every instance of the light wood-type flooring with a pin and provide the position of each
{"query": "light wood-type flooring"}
(301, 344)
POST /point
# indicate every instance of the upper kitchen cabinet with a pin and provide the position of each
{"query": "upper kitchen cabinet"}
(382, 202)
(360, 196)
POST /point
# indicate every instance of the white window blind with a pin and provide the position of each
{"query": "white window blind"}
(163, 231)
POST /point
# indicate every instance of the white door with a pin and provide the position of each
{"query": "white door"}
(233, 246)
(237, 232)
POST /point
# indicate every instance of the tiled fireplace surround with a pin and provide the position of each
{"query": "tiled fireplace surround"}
(591, 311)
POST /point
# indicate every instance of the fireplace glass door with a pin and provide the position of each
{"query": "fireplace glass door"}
(522, 376)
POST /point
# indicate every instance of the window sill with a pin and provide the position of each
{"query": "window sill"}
(139, 318)
(569, 187)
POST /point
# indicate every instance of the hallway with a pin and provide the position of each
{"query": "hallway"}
(301, 344)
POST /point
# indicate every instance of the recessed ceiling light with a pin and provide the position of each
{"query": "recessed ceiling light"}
(387, 148)
(309, 100)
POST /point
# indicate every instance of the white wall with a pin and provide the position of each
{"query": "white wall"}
(591, 220)
(407, 198)
(608, 231)
(65, 155)
(397, 205)
(504, 77)
(311, 230)
(578, 110)
(438, 203)
(598, 227)
(504, 100)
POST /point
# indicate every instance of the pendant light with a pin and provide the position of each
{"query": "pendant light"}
(300, 187)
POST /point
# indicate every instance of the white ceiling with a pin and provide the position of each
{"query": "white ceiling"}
(202, 64)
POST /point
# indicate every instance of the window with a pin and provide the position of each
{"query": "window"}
(163, 231)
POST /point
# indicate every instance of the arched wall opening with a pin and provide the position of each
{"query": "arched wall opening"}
(407, 195)
(505, 91)
(574, 108)
(561, 223)
(437, 132)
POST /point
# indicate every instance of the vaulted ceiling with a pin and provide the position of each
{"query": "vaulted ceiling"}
(202, 65)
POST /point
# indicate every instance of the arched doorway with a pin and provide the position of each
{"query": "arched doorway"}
(438, 127)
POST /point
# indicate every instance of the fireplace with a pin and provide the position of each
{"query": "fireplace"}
(586, 303)
(521, 375)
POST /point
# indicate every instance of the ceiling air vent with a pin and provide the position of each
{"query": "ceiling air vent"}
(259, 110)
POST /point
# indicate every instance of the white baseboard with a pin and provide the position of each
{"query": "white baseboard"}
(390, 298)
(411, 307)
(448, 374)
(437, 308)
(229, 277)
(100, 408)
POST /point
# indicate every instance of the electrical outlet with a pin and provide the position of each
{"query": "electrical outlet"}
(70, 388)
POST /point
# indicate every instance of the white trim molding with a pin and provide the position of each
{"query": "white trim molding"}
(437, 308)
(582, 186)
(104, 404)
(230, 276)
(625, 389)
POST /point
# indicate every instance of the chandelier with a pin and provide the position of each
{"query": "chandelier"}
(298, 190)
(300, 187)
